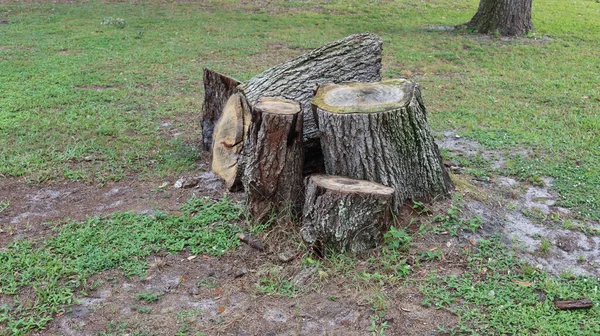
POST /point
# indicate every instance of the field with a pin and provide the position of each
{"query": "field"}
(100, 108)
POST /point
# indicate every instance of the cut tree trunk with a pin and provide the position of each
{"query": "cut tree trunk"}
(379, 132)
(341, 213)
(217, 90)
(507, 17)
(273, 157)
(228, 137)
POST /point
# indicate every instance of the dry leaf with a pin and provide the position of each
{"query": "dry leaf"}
(221, 309)
(523, 283)
(432, 249)
(472, 242)
(60, 314)
(218, 291)
(191, 257)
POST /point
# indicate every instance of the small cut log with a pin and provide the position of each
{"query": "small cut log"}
(228, 137)
(217, 90)
(345, 214)
(379, 132)
(273, 159)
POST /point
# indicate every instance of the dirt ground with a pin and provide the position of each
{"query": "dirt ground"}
(218, 296)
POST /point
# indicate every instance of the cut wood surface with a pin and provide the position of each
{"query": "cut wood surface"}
(273, 158)
(217, 90)
(228, 137)
(379, 132)
(341, 213)
(356, 58)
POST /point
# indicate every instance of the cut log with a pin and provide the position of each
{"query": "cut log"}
(228, 137)
(574, 304)
(217, 90)
(379, 132)
(345, 214)
(273, 157)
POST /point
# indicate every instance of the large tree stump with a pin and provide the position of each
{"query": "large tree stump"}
(229, 135)
(356, 58)
(379, 132)
(217, 90)
(273, 157)
(341, 213)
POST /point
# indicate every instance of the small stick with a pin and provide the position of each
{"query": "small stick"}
(574, 304)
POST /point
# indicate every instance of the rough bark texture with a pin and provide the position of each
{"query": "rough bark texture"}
(274, 157)
(345, 214)
(217, 90)
(356, 58)
(229, 135)
(508, 17)
(379, 132)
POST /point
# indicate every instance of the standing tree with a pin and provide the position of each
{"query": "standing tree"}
(508, 17)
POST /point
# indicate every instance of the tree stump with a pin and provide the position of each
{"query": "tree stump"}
(228, 138)
(273, 157)
(217, 90)
(341, 213)
(355, 58)
(379, 132)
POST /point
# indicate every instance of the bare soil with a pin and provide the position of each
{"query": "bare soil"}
(219, 296)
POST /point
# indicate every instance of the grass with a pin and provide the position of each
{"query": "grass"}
(500, 295)
(100, 91)
(43, 277)
(87, 87)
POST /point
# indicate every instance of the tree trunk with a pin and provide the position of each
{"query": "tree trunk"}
(356, 58)
(508, 17)
(273, 157)
(379, 132)
(341, 213)
(229, 135)
(217, 90)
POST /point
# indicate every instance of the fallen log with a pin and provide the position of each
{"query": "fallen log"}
(379, 132)
(273, 157)
(345, 214)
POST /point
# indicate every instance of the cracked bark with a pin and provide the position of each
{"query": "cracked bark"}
(508, 17)
(379, 132)
(273, 156)
(345, 214)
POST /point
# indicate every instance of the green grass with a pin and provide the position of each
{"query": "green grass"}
(499, 295)
(43, 277)
(83, 100)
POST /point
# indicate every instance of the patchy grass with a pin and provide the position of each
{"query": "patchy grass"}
(43, 277)
(500, 295)
(85, 88)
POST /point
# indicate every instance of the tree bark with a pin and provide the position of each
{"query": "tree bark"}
(217, 90)
(273, 157)
(356, 58)
(229, 136)
(508, 17)
(574, 304)
(341, 213)
(379, 132)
